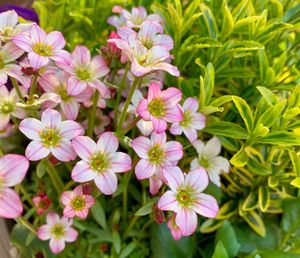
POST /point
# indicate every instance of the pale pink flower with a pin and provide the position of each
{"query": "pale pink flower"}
(9, 25)
(148, 36)
(8, 67)
(55, 87)
(7, 131)
(8, 107)
(101, 121)
(41, 47)
(143, 60)
(50, 135)
(42, 203)
(59, 231)
(100, 161)
(192, 120)
(175, 230)
(186, 198)
(84, 71)
(77, 203)
(13, 169)
(161, 107)
(209, 159)
(155, 153)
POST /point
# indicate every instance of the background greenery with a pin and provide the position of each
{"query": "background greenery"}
(241, 59)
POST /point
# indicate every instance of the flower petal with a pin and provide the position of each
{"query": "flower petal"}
(31, 127)
(142, 109)
(57, 245)
(70, 109)
(107, 182)
(23, 41)
(191, 104)
(71, 235)
(141, 146)
(171, 96)
(81, 55)
(187, 220)
(154, 184)
(212, 148)
(158, 138)
(168, 202)
(37, 34)
(76, 86)
(191, 134)
(144, 169)
(198, 121)
(44, 232)
(56, 40)
(84, 146)
(159, 125)
(52, 218)
(82, 172)
(199, 146)
(64, 152)
(36, 151)
(37, 61)
(173, 150)
(176, 129)
(174, 177)
(120, 162)
(69, 212)
(10, 204)
(51, 118)
(99, 67)
(154, 91)
(108, 142)
(13, 169)
(206, 205)
(196, 179)
(66, 197)
(70, 129)
(174, 114)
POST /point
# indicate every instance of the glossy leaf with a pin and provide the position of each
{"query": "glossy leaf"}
(244, 111)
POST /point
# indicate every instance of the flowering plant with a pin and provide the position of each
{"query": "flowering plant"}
(176, 128)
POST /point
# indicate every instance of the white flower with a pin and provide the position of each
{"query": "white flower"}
(208, 159)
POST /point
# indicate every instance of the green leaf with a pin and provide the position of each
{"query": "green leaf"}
(240, 158)
(116, 241)
(202, 95)
(128, 250)
(296, 182)
(281, 138)
(263, 197)
(255, 222)
(164, 246)
(209, 82)
(99, 214)
(268, 95)
(260, 130)
(41, 169)
(276, 254)
(210, 225)
(228, 21)
(221, 100)
(290, 217)
(263, 64)
(244, 111)
(146, 209)
(209, 21)
(226, 129)
(257, 168)
(294, 100)
(220, 251)
(227, 236)
(245, 22)
(295, 161)
(250, 202)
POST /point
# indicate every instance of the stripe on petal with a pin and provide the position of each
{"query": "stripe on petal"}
(187, 220)
(168, 202)
(10, 204)
(36, 151)
(107, 182)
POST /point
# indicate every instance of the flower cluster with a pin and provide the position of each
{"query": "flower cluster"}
(59, 103)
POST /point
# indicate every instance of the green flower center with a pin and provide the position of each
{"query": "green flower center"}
(184, 197)
(7, 33)
(6, 107)
(156, 154)
(50, 137)
(78, 203)
(148, 43)
(2, 64)
(58, 231)
(42, 49)
(142, 58)
(204, 163)
(187, 119)
(157, 107)
(62, 92)
(83, 74)
(100, 162)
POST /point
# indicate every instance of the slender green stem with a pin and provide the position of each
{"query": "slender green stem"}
(56, 180)
(92, 117)
(16, 86)
(33, 87)
(26, 194)
(133, 221)
(127, 102)
(125, 195)
(21, 220)
(131, 125)
(119, 94)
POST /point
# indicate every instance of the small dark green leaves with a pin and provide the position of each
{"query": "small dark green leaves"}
(99, 214)
(244, 111)
(146, 209)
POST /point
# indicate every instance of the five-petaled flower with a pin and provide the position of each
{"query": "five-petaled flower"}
(161, 107)
(191, 122)
(41, 47)
(13, 169)
(50, 135)
(59, 231)
(42, 203)
(100, 161)
(208, 159)
(186, 199)
(77, 203)
(155, 153)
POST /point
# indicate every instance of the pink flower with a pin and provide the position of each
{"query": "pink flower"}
(209, 159)
(100, 161)
(41, 47)
(84, 71)
(8, 107)
(13, 169)
(59, 231)
(55, 86)
(175, 230)
(155, 153)
(50, 135)
(77, 203)
(143, 60)
(191, 122)
(42, 203)
(8, 67)
(161, 107)
(101, 121)
(148, 36)
(186, 198)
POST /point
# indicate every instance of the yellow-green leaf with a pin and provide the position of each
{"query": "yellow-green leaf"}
(263, 197)
(250, 202)
(240, 158)
(255, 222)
(244, 111)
